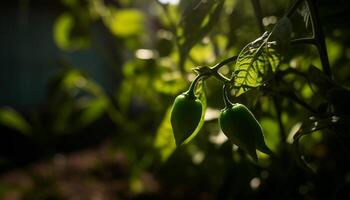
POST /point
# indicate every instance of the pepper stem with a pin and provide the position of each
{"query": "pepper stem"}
(227, 101)
(190, 91)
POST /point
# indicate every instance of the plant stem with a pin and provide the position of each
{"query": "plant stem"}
(190, 91)
(302, 103)
(290, 70)
(224, 62)
(213, 71)
(220, 77)
(293, 98)
(173, 29)
(282, 132)
(304, 41)
(319, 37)
(258, 14)
(227, 101)
(207, 72)
(292, 9)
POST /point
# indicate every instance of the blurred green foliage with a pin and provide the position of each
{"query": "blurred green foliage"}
(155, 48)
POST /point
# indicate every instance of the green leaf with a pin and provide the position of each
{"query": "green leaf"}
(73, 80)
(14, 120)
(165, 141)
(70, 33)
(91, 111)
(169, 83)
(257, 61)
(198, 18)
(270, 127)
(304, 11)
(125, 22)
(75, 101)
(260, 58)
(125, 93)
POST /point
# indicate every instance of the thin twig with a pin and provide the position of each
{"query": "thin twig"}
(258, 14)
(293, 98)
(319, 37)
(303, 41)
(173, 29)
(293, 8)
(290, 70)
(224, 62)
(282, 131)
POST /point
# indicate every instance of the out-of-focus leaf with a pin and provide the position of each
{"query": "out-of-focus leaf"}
(270, 127)
(165, 141)
(14, 120)
(255, 63)
(69, 33)
(338, 96)
(281, 34)
(251, 97)
(92, 111)
(304, 11)
(169, 83)
(306, 92)
(70, 3)
(75, 98)
(320, 80)
(125, 93)
(62, 112)
(334, 50)
(126, 22)
(61, 30)
(202, 53)
(198, 18)
(164, 46)
(141, 82)
(313, 124)
(308, 127)
(73, 79)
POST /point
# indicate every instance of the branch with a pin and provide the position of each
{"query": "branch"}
(224, 62)
(319, 37)
(293, 8)
(303, 41)
(292, 97)
(173, 28)
(258, 14)
(290, 70)
(282, 132)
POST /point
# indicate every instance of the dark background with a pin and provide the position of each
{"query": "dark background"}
(95, 112)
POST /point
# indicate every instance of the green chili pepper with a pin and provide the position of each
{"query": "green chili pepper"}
(241, 127)
(185, 116)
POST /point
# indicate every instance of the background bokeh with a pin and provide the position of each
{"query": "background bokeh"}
(86, 87)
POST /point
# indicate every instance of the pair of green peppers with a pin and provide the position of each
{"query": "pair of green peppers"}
(236, 121)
